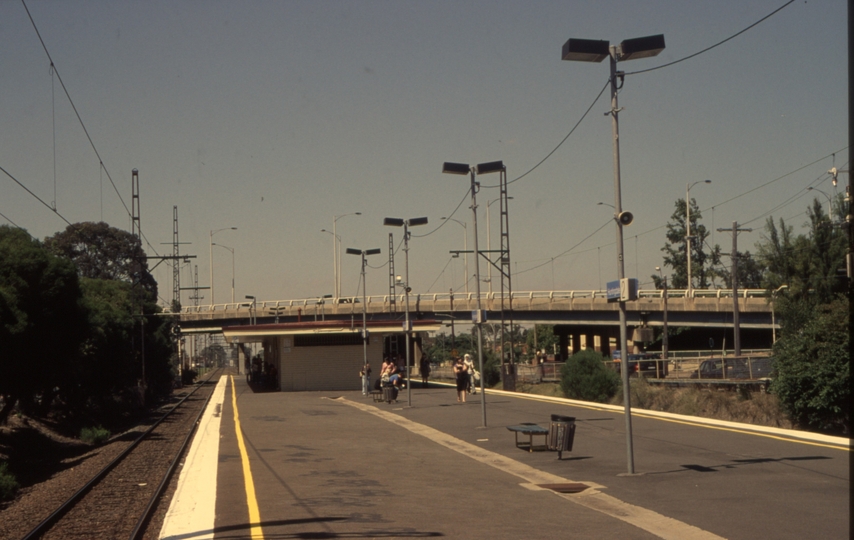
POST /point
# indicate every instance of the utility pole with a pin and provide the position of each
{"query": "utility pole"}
(735, 327)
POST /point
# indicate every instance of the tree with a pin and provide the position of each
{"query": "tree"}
(42, 322)
(542, 337)
(100, 251)
(107, 254)
(810, 265)
(584, 376)
(812, 364)
(702, 263)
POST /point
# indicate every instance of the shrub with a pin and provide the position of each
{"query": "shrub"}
(813, 368)
(585, 377)
(8, 484)
(188, 376)
(95, 435)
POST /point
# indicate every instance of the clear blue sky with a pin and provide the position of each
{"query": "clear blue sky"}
(274, 117)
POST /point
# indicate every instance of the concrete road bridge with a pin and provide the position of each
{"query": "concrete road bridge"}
(705, 313)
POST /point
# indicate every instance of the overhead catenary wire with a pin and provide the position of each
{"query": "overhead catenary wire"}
(49, 207)
(82, 125)
(718, 44)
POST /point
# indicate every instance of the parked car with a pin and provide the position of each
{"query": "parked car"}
(642, 365)
(736, 368)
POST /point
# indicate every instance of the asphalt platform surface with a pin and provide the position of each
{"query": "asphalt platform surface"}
(339, 465)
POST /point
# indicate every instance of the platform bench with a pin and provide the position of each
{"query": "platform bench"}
(530, 430)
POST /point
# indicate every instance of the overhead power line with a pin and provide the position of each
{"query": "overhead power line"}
(707, 49)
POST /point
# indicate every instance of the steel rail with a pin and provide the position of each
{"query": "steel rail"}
(139, 529)
(49, 521)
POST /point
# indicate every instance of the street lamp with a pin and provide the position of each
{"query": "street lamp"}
(477, 317)
(774, 305)
(589, 50)
(336, 252)
(465, 249)
(213, 232)
(321, 301)
(489, 243)
(364, 254)
(406, 223)
(232, 268)
(688, 236)
(829, 209)
(664, 335)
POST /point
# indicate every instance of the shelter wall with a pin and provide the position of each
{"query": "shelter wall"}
(331, 367)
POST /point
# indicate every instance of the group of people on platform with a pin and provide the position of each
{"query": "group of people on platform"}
(465, 374)
(466, 377)
(262, 374)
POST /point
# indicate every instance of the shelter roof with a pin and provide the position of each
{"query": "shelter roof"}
(257, 333)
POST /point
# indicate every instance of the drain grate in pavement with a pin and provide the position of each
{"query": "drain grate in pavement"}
(565, 488)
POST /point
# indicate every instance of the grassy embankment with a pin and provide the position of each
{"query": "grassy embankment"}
(756, 408)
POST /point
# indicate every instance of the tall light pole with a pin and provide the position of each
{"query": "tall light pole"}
(336, 246)
(364, 253)
(489, 244)
(406, 223)
(465, 249)
(232, 268)
(213, 232)
(688, 237)
(336, 252)
(664, 335)
(774, 294)
(588, 50)
(477, 317)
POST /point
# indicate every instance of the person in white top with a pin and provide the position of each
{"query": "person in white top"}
(470, 365)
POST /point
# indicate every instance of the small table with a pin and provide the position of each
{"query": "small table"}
(530, 430)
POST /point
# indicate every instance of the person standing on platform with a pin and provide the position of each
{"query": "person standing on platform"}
(470, 373)
(462, 376)
(424, 368)
(365, 374)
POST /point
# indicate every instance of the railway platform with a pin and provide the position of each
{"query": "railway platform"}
(339, 465)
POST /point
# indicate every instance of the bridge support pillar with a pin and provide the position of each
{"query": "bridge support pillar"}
(563, 337)
(605, 342)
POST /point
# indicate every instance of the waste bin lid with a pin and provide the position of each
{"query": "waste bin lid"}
(561, 418)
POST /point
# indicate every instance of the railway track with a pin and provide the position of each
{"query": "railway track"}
(118, 501)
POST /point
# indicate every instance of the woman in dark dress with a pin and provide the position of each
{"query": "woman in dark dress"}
(461, 372)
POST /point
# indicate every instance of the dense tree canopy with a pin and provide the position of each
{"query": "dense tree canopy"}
(100, 251)
(79, 324)
(42, 321)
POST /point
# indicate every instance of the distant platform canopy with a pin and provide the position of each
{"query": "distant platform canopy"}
(258, 333)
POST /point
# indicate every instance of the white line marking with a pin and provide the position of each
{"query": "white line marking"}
(652, 522)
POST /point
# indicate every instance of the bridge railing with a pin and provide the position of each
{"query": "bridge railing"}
(446, 302)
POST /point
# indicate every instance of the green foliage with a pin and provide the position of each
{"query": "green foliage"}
(542, 337)
(94, 435)
(809, 265)
(584, 376)
(702, 263)
(100, 251)
(42, 322)
(188, 376)
(442, 347)
(812, 365)
(491, 369)
(8, 484)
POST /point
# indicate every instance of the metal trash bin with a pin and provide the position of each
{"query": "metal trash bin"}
(561, 434)
(389, 394)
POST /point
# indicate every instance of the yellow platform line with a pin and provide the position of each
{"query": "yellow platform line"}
(251, 500)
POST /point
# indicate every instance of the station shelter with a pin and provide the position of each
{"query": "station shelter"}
(328, 355)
